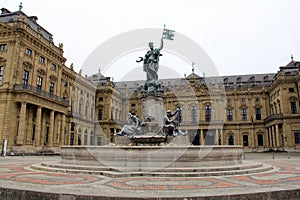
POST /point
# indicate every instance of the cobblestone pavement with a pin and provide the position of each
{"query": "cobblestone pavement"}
(15, 173)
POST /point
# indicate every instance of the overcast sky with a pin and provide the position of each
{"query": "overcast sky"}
(240, 36)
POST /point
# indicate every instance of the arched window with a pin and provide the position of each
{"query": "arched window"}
(85, 137)
(91, 138)
(208, 113)
(194, 114)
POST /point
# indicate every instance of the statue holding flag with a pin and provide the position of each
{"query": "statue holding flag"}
(151, 60)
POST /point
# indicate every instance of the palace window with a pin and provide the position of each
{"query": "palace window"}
(207, 113)
(28, 52)
(72, 106)
(42, 59)
(53, 66)
(85, 136)
(244, 114)
(258, 113)
(293, 107)
(100, 113)
(229, 114)
(39, 82)
(291, 90)
(297, 137)
(91, 138)
(99, 140)
(86, 111)
(51, 88)
(194, 115)
(3, 47)
(1, 74)
(92, 112)
(25, 77)
(79, 108)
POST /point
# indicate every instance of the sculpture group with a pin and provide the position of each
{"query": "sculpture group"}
(170, 127)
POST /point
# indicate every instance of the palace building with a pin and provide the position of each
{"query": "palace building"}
(45, 104)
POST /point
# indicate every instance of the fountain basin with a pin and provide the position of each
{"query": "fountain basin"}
(151, 158)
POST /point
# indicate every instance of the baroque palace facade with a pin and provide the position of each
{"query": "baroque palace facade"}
(44, 104)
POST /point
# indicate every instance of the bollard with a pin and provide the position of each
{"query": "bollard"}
(244, 156)
(273, 155)
(289, 155)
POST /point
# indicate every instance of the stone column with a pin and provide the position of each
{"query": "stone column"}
(62, 132)
(278, 143)
(51, 129)
(58, 132)
(201, 137)
(268, 137)
(237, 138)
(221, 134)
(38, 126)
(273, 136)
(22, 124)
(217, 137)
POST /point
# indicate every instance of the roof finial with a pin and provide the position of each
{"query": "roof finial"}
(20, 7)
(99, 70)
(292, 57)
(193, 69)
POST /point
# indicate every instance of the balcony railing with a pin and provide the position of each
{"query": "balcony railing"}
(43, 93)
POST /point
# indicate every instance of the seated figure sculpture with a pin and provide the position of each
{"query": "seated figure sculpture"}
(172, 122)
(133, 127)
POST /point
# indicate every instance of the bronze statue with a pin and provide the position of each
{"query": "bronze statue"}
(172, 122)
(151, 61)
(133, 127)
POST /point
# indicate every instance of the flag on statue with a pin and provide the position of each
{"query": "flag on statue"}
(168, 34)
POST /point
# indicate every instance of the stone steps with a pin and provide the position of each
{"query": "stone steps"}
(239, 169)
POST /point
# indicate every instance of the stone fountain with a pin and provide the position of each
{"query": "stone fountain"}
(155, 146)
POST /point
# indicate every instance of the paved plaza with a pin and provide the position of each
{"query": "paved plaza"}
(19, 181)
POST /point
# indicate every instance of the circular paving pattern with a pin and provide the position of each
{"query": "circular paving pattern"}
(16, 176)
